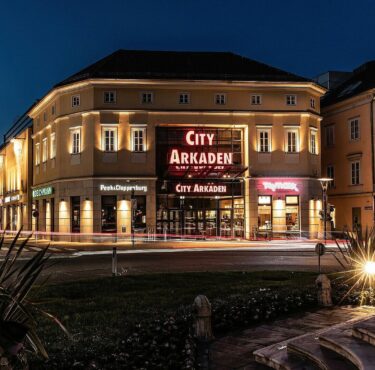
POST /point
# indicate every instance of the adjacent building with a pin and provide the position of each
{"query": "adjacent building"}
(16, 175)
(207, 144)
(348, 148)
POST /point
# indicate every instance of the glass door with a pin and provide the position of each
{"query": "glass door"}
(211, 225)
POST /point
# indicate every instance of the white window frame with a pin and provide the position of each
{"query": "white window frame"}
(76, 100)
(331, 174)
(52, 144)
(296, 146)
(256, 99)
(356, 166)
(262, 145)
(37, 154)
(313, 141)
(220, 98)
(327, 130)
(181, 97)
(357, 133)
(138, 147)
(291, 99)
(75, 149)
(113, 129)
(149, 94)
(44, 150)
(108, 94)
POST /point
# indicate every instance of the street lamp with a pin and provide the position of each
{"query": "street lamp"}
(324, 182)
(133, 206)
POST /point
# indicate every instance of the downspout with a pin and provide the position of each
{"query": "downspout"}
(372, 152)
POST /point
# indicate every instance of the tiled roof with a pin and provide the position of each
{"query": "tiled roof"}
(360, 80)
(139, 64)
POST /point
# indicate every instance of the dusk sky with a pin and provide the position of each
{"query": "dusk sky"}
(42, 42)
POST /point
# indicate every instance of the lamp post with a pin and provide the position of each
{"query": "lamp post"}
(324, 181)
(132, 206)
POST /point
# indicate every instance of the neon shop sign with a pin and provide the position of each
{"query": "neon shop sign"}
(280, 185)
(184, 158)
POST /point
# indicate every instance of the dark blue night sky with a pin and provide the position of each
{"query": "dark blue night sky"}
(42, 42)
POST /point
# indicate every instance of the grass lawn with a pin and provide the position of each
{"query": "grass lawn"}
(98, 310)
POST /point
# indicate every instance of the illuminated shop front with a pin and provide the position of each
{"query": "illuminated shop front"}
(200, 191)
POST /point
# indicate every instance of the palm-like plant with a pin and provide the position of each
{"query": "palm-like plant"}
(17, 322)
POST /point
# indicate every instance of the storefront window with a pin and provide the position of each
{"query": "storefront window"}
(76, 214)
(292, 213)
(109, 209)
(140, 212)
(264, 212)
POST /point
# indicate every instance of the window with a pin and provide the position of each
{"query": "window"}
(313, 141)
(264, 140)
(45, 116)
(147, 97)
(184, 98)
(354, 129)
(76, 101)
(220, 99)
(53, 109)
(292, 212)
(355, 173)
(76, 141)
(138, 139)
(291, 141)
(109, 97)
(109, 139)
(331, 175)
(53, 145)
(37, 154)
(45, 152)
(330, 135)
(256, 99)
(312, 103)
(291, 100)
(264, 212)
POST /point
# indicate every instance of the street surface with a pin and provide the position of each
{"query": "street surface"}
(77, 261)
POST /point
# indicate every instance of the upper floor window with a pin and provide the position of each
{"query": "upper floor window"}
(53, 145)
(264, 140)
(291, 100)
(291, 141)
(355, 172)
(45, 116)
(184, 98)
(76, 140)
(44, 149)
(220, 99)
(138, 139)
(354, 129)
(312, 103)
(76, 101)
(329, 135)
(147, 97)
(37, 154)
(331, 175)
(53, 109)
(313, 141)
(110, 97)
(256, 99)
(109, 139)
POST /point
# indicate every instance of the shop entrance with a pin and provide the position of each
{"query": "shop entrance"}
(109, 212)
(212, 217)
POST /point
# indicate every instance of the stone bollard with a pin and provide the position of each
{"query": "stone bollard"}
(324, 290)
(202, 324)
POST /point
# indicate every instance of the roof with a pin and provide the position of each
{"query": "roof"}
(359, 80)
(138, 64)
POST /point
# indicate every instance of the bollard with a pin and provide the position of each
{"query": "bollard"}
(324, 290)
(114, 261)
(202, 324)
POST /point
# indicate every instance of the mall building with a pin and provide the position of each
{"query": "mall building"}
(208, 144)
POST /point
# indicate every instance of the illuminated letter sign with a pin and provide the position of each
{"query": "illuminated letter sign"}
(41, 192)
(199, 188)
(123, 188)
(280, 185)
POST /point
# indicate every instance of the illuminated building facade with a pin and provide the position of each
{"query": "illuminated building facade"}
(183, 143)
